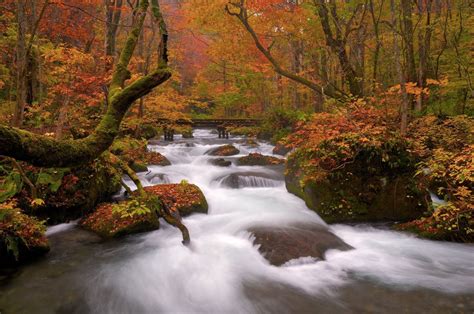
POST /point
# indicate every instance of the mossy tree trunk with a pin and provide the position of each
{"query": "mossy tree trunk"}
(43, 151)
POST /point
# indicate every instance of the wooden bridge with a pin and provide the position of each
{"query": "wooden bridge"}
(212, 123)
(221, 125)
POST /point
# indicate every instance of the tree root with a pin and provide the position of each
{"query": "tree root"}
(174, 218)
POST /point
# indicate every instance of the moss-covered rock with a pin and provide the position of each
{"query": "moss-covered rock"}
(185, 131)
(448, 170)
(70, 193)
(184, 197)
(249, 142)
(256, 159)
(187, 134)
(247, 131)
(140, 214)
(155, 158)
(220, 162)
(135, 151)
(147, 131)
(281, 149)
(377, 185)
(224, 150)
(22, 237)
(126, 217)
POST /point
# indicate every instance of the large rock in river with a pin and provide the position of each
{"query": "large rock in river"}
(220, 162)
(225, 150)
(371, 187)
(22, 237)
(256, 159)
(186, 198)
(279, 245)
(281, 149)
(251, 179)
(130, 216)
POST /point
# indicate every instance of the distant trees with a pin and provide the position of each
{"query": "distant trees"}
(358, 36)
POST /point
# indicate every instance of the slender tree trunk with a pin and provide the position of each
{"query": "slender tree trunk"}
(62, 118)
(21, 63)
(378, 43)
(401, 74)
(296, 48)
(408, 39)
(113, 14)
(337, 44)
(424, 40)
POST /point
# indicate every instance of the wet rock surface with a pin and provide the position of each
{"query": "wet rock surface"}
(281, 149)
(225, 150)
(256, 159)
(283, 244)
(251, 179)
(220, 162)
(112, 220)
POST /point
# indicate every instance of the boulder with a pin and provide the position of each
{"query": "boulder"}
(70, 193)
(249, 142)
(113, 220)
(279, 245)
(250, 179)
(256, 159)
(225, 150)
(281, 149)
(22, 237)
(220, 162)
(366, 189)
(135, 151)
(147, 131)
(156, 159)
(187, 134)
(186, 198)
(133, 216)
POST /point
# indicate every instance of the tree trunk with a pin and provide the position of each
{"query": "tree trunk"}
(401, 74)
(424, 43)
(338, 46)
(113, 13)
(44, 151)
(378, 43)
(21, 63)
(408, 39)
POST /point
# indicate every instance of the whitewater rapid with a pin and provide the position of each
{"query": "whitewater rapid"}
(210, 276)
(222, 270)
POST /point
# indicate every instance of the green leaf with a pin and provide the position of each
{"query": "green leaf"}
(10, 186)
(51, 178)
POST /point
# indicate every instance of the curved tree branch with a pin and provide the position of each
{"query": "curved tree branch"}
(44, 151)
(238, 10)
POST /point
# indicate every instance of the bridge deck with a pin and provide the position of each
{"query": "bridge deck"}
(213, 122)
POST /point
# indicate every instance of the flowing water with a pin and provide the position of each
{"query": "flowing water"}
(222, 270)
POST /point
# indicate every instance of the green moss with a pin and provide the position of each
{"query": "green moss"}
(116, 220)
(256, 159)
(376, 185)
(22, 238)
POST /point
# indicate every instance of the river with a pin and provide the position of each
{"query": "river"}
(222, 270)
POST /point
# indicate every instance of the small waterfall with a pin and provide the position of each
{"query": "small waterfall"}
(248, 180)
(157, 178)
(257, 182)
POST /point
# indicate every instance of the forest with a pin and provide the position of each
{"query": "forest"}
(236, 156)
